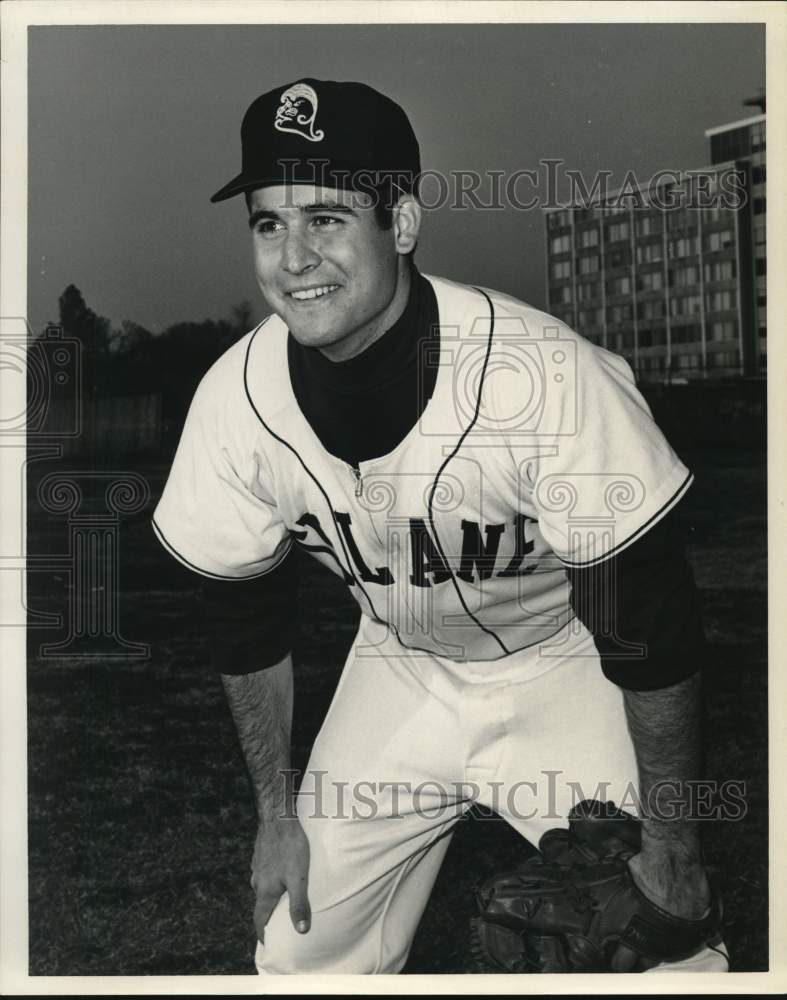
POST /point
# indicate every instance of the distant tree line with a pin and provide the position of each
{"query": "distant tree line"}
(133, 361)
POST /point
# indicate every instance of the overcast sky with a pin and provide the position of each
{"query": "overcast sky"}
(132, 130)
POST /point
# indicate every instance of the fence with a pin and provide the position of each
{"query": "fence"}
(109, 425)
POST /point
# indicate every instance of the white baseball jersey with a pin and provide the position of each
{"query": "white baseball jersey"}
(536, 451)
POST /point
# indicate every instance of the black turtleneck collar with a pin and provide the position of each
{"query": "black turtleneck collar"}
(363, 407)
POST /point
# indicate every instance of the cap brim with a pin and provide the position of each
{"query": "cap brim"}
(236, 186)
(243, 183)
(344, 178)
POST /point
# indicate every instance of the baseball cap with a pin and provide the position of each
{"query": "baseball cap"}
(325, 132)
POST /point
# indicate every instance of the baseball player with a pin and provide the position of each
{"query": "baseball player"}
(494, 493)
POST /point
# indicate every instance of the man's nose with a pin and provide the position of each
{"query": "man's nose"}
(298, 254)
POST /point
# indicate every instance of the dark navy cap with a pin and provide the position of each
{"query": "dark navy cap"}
(323, 132)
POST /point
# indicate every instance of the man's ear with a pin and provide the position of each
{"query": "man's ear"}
(406, 223)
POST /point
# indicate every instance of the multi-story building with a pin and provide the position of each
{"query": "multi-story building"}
(672, 274)
(745, 140)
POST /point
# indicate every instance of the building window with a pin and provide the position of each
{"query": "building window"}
(624, 341)
(648, 252)
(560, 244)
(759, 233)
(714, 214)
(564, 315)
(724, 330)
(719, 270)
(758, 174)
(685, 306)
(648, 225)
(588, 290)
(618, 231)
(682, 276)
(589, 317)
(561, 269)
(619, 286)
(676, 219)
(717, 301)
(588, 238)
(619, 314)
(725, 359)
(650, 281)
(760, 266)
(557, 219)
(690, 334)
(719, 241)
(759, 206)
(654, 309)
(686, 246)
(652, 338)
(618, 258)
(589, 264)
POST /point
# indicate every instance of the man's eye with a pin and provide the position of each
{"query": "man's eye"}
(325, 220)
(267, 227)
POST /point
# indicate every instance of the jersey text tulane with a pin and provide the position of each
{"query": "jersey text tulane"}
(535, 451)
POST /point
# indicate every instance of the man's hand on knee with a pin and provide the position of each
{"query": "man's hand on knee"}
(281, 864)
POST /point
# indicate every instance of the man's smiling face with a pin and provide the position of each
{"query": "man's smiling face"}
(326, 267)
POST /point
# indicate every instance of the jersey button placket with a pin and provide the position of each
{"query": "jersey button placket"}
(358, 480)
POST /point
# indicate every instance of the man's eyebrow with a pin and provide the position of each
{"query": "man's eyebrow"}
(329, 206)
(313, 207)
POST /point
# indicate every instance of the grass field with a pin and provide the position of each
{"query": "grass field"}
(140, 819)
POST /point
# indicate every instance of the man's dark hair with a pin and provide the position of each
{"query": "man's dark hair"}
(383, 214)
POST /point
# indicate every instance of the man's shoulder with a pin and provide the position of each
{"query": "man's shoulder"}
(544, 326)
(504, 304)
(229, 372)
(518, 326)
(223, 399)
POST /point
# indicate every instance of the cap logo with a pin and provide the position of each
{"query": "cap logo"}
(298, 111)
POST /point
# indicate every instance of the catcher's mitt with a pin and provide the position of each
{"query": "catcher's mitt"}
(570, 908)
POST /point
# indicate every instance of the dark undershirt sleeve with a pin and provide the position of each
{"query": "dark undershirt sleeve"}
(645, 596)
(251, 624)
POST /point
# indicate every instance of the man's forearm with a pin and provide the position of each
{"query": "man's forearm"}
(261, 705)
(665, 728)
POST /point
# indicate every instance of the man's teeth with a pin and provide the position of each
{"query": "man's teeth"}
(314, 293)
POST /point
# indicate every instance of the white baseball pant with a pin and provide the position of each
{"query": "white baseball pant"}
(409, 742)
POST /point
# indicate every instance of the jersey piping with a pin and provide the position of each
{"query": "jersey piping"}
(429, 506)
(430, 513)
(653, 519)
(203, 572)
(319, 486)
(314, 479)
